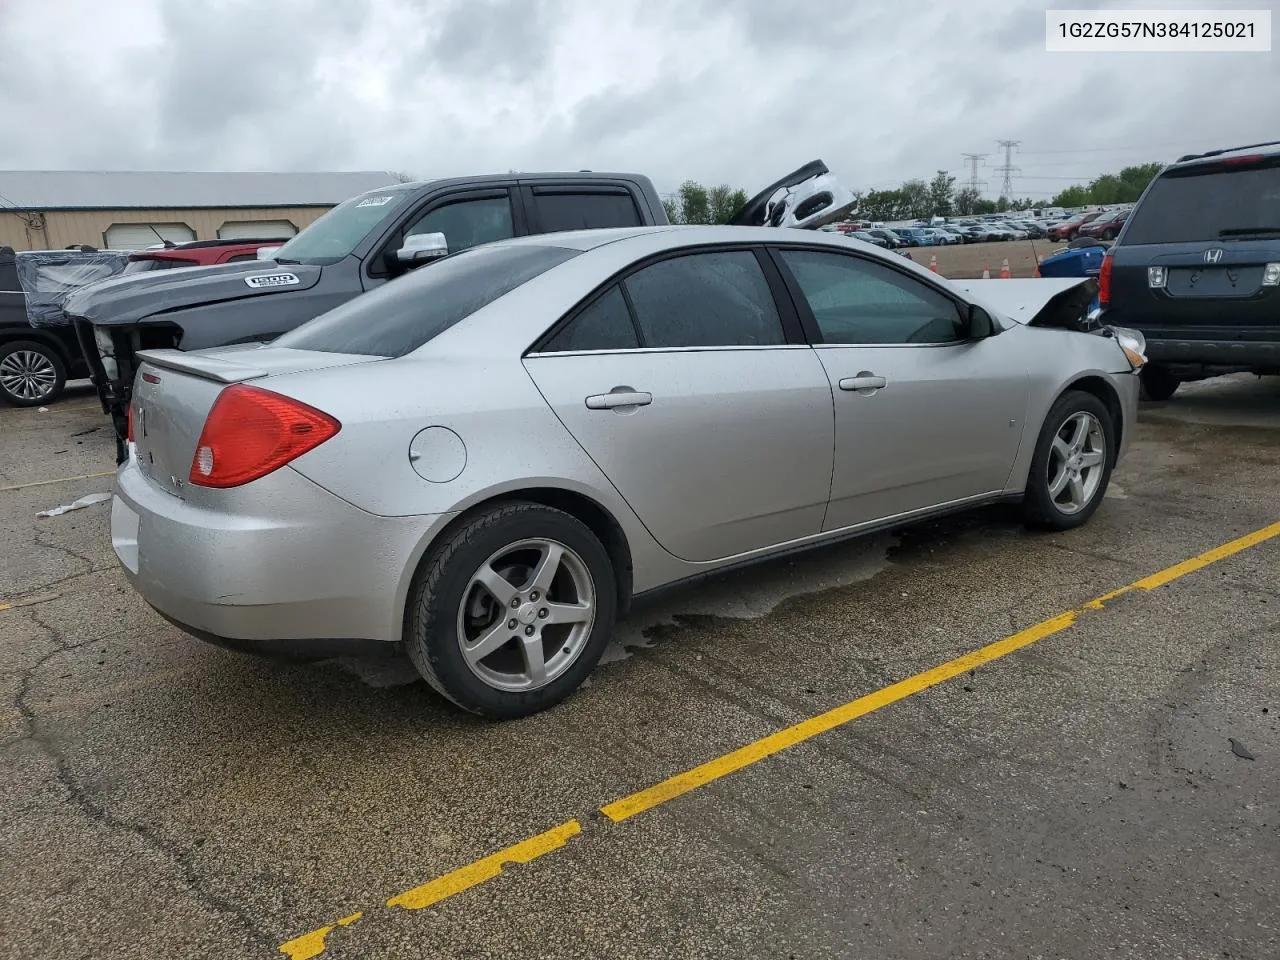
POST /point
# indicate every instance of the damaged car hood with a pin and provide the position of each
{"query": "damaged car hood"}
(131, 297)
(1039, 302)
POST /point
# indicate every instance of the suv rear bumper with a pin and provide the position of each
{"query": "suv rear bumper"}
(1209, 357)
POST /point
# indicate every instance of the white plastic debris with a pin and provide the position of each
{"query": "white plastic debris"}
(42, 410)
(86, 501)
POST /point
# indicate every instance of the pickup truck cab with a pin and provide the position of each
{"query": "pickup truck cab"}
(370, 240)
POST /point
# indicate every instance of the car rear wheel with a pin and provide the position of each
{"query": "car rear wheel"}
(1072, 463)
(31, 373)
(511, 613)
(1158, 383)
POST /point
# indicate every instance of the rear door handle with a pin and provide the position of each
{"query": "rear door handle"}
(619, 397)
(863, 381)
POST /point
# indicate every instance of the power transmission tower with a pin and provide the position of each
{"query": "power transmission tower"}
(975, 160)
(1008, 169)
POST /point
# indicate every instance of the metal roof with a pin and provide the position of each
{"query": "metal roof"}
(117, 190)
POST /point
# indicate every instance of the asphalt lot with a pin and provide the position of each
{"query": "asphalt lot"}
(1077, 797)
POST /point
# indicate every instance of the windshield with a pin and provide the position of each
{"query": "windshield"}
(1243, 203)
(402, 315)
(337, 233)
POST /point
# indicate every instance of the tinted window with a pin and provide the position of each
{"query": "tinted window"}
(856, 301)
(157, 263)
(402, 315)
(1240, 203)
(705, 300)
(585, 211)
(605, 324)
(242, 256)
(468, 223)
(9, 277)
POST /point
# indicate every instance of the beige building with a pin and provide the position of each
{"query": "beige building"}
(50, 210)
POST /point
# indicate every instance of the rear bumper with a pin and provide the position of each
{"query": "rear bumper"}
(1214, 354)
(291, 569)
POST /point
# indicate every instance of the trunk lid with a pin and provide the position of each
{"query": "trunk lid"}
(174, 392)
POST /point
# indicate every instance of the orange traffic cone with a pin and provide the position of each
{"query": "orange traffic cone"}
(933, 263)
(1039, 260)
(1005, 273)
(986, 273)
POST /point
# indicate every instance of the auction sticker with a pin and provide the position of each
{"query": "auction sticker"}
(375, 201)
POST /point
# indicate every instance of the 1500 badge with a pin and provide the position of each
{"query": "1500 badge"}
(260, 280)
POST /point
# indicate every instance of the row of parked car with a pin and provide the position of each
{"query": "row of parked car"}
(1098, 224)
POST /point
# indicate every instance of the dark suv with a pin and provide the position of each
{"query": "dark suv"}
(1196, 268)
(35, 362)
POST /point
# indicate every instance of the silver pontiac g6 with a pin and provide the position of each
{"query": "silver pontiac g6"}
(484, 461)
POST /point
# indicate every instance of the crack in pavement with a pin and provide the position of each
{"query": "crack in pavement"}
(81, 799)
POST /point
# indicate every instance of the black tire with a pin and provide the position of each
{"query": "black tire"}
(25, 352)
(1040, 509)
(440, 587)
(1158, 383)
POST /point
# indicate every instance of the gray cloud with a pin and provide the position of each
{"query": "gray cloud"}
(723, 92)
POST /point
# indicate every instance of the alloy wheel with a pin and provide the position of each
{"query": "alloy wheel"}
(28, 375)
(526, 615)
(1077, 460)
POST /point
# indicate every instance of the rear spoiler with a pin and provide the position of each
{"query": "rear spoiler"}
(210, 368)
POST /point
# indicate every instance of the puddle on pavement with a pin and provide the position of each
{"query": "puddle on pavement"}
(746, 594)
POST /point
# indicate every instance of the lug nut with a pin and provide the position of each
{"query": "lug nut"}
(542, 614)
(528, 631)
(533, 595)
(512, 624)
(515, 602)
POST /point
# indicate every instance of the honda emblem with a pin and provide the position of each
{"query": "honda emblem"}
(1213, 256)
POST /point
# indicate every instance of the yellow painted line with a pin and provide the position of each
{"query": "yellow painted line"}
(464, 878)
(45, 483)
(312, 944)
(724, 765)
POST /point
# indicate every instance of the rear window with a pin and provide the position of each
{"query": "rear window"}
(403, 314)
(157, 263)
(1224, 204)
(563, 210)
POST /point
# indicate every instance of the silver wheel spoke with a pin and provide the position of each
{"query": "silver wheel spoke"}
(1061, 448)
(1090, 459)
(1077, 491)
(497, 585)
(535, 663)
(568, 613)
(1079, 434)
(547, 567)
(1060, 484)
(488, 643)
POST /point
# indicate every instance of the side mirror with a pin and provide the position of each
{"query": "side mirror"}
(980, 323)
(420, 248)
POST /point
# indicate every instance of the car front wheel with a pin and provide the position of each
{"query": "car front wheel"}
(31, 373)
(1072, 463)
(512, 611)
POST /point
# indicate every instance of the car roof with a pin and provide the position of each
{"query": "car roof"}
(1269, 148)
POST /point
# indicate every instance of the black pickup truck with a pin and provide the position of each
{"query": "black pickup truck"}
(369, 240)
(1196, 268)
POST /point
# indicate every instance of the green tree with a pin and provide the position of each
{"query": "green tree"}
(966, 201)
(725, 201)
(1123, 187)
(695, 204)
(882, 205)
(915, 199)
(671, 205)
(941, 194)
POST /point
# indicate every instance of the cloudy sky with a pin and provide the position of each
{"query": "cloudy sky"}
(737, 91)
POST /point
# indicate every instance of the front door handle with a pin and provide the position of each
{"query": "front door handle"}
(619, 397)
(863, 381)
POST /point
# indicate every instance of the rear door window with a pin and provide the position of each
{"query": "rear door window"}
(1221, 204)
(604, 324)
(563, 209)
(399, 317)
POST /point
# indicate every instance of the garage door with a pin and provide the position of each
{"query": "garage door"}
(256, 230)
(139, 236)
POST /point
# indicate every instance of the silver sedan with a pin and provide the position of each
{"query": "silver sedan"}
(486, 460)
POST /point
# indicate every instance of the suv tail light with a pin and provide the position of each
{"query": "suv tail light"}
(128, 415)
(1104, 282)
(250, 432)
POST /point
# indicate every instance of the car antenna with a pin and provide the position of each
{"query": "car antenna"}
(168, 244)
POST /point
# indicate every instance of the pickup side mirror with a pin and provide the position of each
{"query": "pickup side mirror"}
(420, 248)
(980, 323)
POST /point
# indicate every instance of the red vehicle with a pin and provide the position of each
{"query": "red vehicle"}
(198, 253)
(1105, 227)
(1068, 230)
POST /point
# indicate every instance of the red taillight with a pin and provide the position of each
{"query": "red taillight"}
(1104, 282)
(1252, 158)
(251, 432)
(128, 413)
